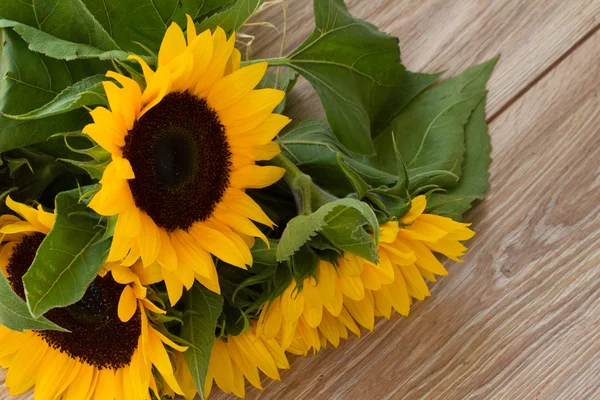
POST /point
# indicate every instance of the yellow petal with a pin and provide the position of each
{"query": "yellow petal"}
(417, 207)
(255, 177)
(132, 95)
(174, 286)
(247, 366)
(266, 131)
(105, 388)
(241, 203)
(258, 153)
(80, 387)
(173, 45)
(292, 303)
(149, 239)
(221, 367)
(157, 88)
(24, 369)
(167, 257)
(254, 349)
(160, 358)
(232, 88)
(148, 73)
(148, 275)
(222, 49)
(234, 62)
(191, 255)
(127, 304)
(252, 110)
(215, 242)
(190, 31)
(362, 311)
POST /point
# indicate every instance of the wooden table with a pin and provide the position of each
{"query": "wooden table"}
(520, 319)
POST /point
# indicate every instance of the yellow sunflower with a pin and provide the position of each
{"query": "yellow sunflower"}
(233, 359)
(183, 152)
(111, 348)
(356, 290)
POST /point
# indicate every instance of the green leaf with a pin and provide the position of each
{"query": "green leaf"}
(232, 17)
(203, 308)
(360, 186)
(69, 20)
(51, 46)
(68, 259)
(356, 71)
(473, 182)
(263, 255)
(87, 91)
(197, 9)
(30, 81)
(430, 130)
(313, 148)
(341, 221)
(303, 263)
(15, 315)
(284, 81)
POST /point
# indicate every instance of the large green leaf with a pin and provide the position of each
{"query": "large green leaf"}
(87, 91)
(232, 17)
(202, 310)
(430, 131)
(473, 182)
(15, 315)
(313, 148)
(68, 20)
(51, 46)
(342, 222)
(30, 81)
(356, 71)
(68, 259)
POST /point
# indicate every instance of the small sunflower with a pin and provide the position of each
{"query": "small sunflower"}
(183, 152)
(111, 348)
(356, 290)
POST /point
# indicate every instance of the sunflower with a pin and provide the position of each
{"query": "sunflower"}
(110, 350)
(183, 152)
(234, 358)
(356, 290)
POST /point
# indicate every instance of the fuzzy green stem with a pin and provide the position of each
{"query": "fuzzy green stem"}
(309, 197)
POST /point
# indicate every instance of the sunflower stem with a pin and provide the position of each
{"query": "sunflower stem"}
(273, 62)
(309, 197)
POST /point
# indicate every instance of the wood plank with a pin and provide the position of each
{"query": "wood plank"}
(519, 319)
(440, 35)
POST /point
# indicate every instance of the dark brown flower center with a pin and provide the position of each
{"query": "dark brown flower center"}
(97, 336)
(180, 157)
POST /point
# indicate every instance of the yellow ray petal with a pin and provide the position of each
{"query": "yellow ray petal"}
(147, 71)
(127, 304)
(362, 311)
(417, 207)
(26, 365)
(292, 303)
(258, 153)
(173, 44)
(148, 239)
(174, 286)
(232, 88)
(160, 358)
(215, 242)
(222, 49)
(255, 177)
(105, 388)
(234, 62)
(251, 110)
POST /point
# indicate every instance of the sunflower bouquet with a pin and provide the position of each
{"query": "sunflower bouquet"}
(166, 228)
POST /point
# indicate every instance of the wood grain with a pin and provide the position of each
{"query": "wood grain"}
(520, 319)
